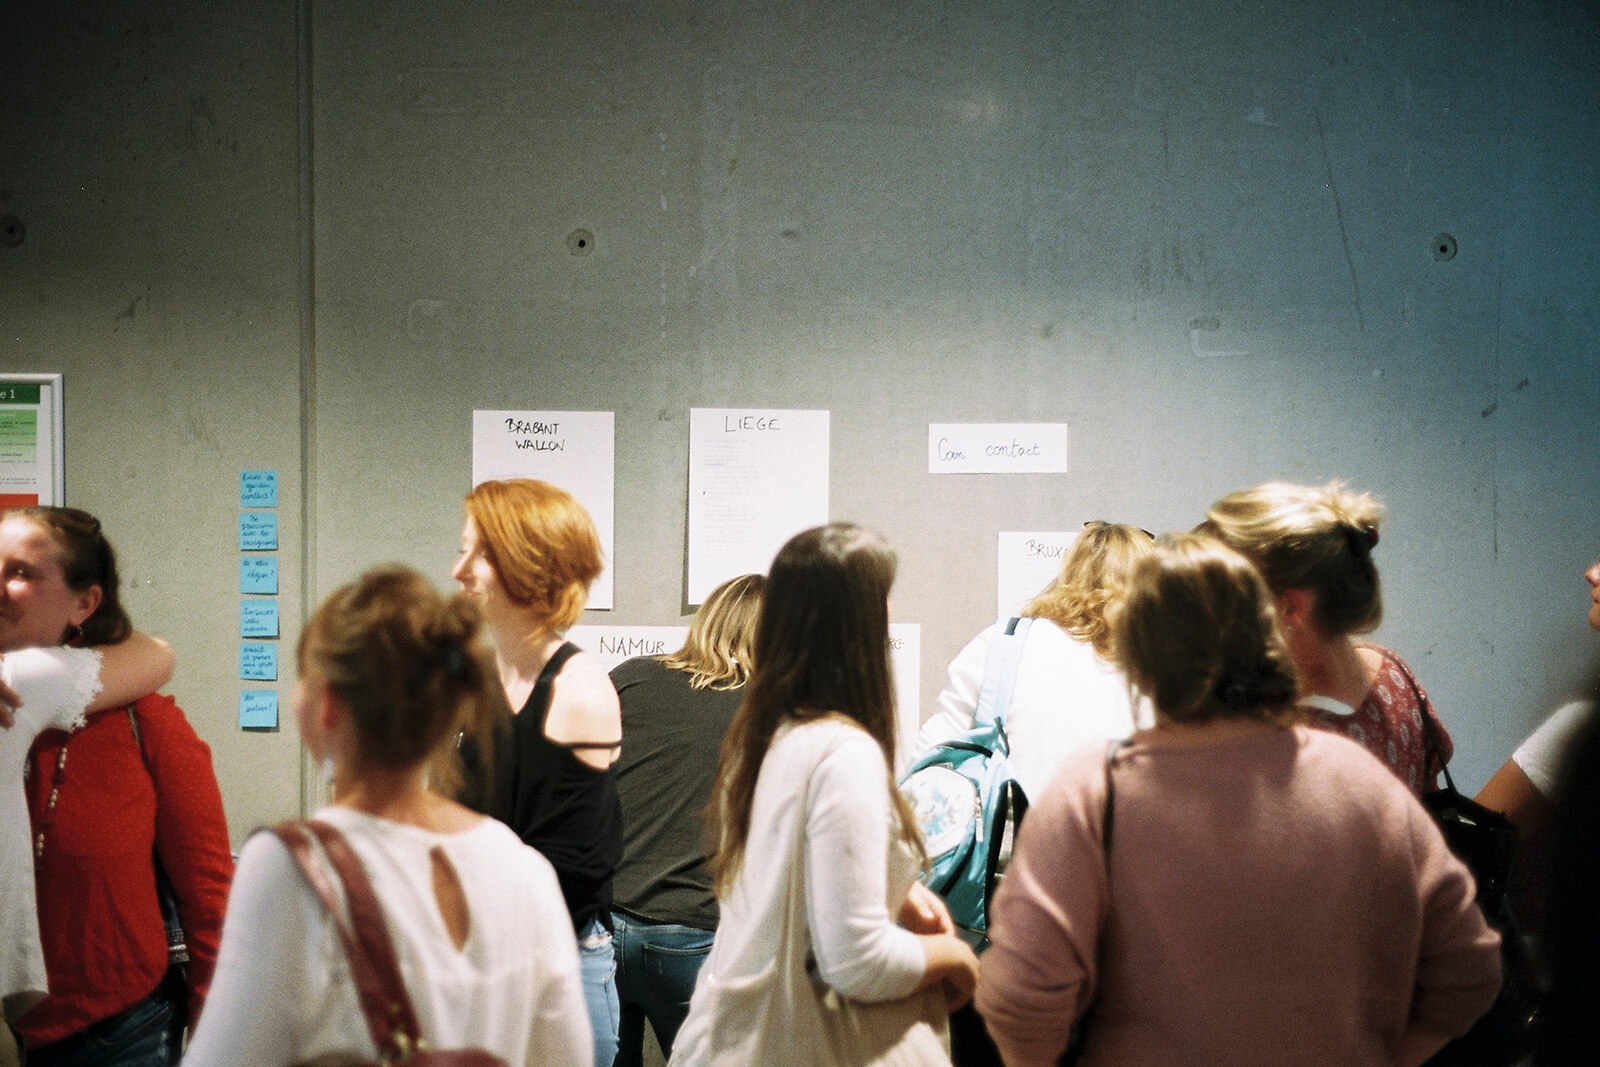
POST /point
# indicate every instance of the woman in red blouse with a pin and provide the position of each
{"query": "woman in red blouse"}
(1313, 545)
(101, 812)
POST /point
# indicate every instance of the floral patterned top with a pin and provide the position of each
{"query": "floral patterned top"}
(1389, 724)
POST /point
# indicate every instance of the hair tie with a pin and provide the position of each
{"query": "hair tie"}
(1363, 539)
(1237, 690)
(455, 660)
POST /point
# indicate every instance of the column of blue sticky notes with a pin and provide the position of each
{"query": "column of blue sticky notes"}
(258, 590)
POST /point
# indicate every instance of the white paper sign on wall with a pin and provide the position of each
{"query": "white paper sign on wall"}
(905, 655)
(1025, 564)
(573, 449)
(613, 644)
(997, 448)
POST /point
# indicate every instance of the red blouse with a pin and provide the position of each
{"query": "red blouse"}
(1389, 725)
(104, 944)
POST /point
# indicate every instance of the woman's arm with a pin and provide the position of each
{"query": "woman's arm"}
(191, 833)
(132, 668)
(1513, 793)
(1458, 965)
(1044, 925)
(861, 953)
(958, 701)
(264, 977)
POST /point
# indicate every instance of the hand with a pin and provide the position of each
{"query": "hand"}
(9, 702)
(952, 965)
(924, 912)
(960, 981)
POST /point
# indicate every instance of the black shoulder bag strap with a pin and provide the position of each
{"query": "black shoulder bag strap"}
(177, 945)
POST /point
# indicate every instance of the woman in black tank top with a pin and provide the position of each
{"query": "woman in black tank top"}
(529, 552)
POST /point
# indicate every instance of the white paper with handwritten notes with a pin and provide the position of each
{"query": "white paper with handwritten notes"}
(997, 448)
(757, 477)
(573, 449)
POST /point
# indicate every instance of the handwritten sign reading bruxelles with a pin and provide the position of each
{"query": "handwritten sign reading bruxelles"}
(997, 448)
(1026, 564)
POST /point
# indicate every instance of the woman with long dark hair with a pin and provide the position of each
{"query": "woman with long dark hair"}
(817, 853)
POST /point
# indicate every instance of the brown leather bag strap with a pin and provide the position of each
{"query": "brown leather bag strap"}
(367, 916)
(376, 975)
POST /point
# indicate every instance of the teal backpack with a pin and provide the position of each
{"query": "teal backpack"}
(966, 801)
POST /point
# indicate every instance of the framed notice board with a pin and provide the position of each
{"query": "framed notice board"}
(32, 453)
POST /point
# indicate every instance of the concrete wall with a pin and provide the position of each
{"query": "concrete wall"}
(314, 237)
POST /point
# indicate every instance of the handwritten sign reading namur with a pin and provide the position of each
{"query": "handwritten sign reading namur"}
(573, 449)
(757, 477)
(1027, 563)
(613, 644)
(997, 448)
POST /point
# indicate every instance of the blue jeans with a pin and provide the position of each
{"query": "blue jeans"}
(138, 1036)
(597, 963)
(657, 964)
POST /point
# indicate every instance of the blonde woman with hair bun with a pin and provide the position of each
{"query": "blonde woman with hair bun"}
(1314, 546)
(1264, 893)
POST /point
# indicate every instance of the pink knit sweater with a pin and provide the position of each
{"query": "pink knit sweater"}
(1273, 898)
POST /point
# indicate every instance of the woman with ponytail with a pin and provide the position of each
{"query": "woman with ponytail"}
(1229, 886)
(1313, 545)
(390, 674)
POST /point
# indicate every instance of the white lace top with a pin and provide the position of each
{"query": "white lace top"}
(56, 686)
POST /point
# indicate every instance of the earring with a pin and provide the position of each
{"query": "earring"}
(327, 773)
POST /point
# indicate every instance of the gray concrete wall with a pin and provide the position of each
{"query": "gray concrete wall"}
(314, 237)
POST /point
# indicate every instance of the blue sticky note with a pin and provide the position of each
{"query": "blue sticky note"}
(258, 574)
(258, 618)
(258, 531)
(258, 661)
(258, 489)
(258, 709)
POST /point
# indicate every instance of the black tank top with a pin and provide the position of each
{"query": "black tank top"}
(559, 804)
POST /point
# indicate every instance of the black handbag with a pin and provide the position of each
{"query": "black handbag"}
(1486, 841)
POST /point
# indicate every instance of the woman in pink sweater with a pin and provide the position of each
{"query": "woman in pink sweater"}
(1264, 894)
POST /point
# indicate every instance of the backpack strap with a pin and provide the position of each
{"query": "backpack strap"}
(1000, 672)
(359, 920)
